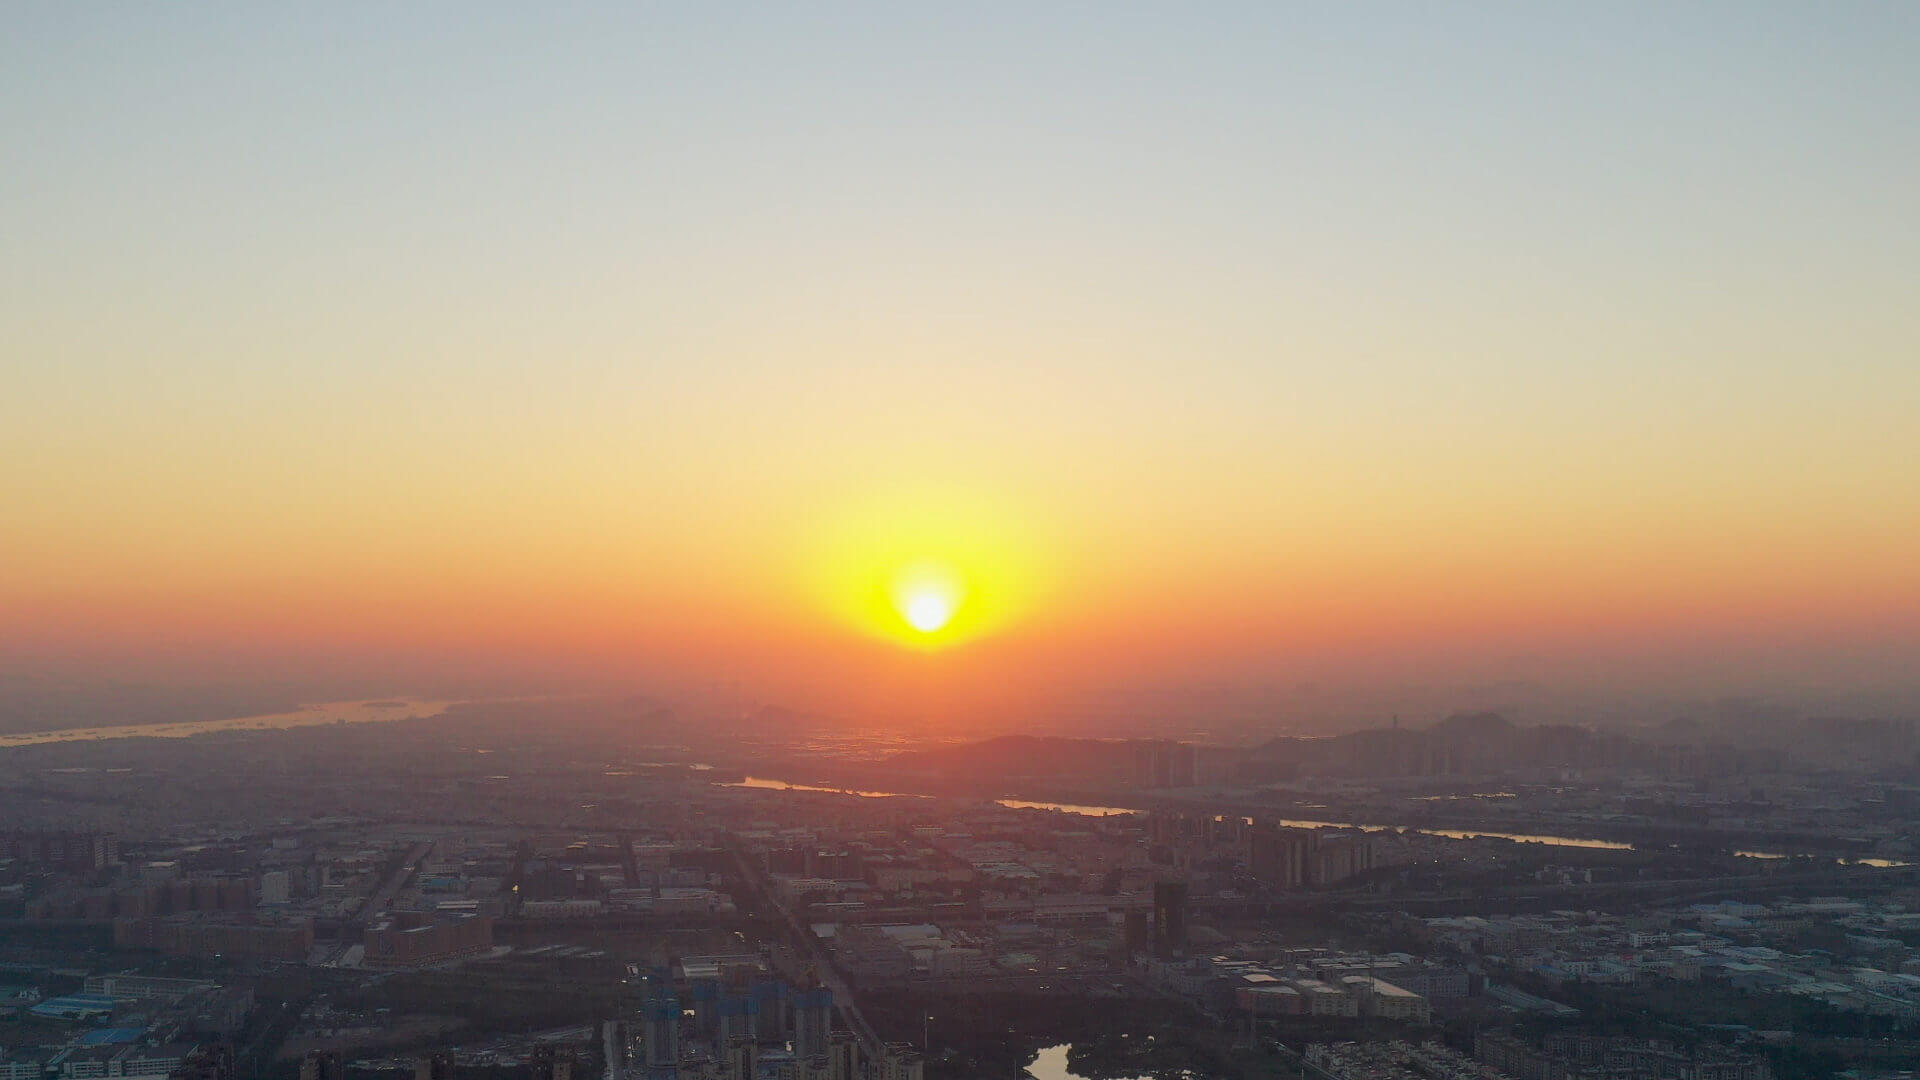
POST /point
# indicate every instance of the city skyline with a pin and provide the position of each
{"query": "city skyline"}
(858, 541)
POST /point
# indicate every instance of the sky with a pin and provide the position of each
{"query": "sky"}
(1367, 352)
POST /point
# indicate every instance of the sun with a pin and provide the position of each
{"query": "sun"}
(926, 595)
(929, 569)
(927, 611)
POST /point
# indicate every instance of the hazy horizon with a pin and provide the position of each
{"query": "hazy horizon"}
(1319, 363)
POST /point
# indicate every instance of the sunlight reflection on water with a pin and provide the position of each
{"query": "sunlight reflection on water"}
(1051, 1064)
(332, 712)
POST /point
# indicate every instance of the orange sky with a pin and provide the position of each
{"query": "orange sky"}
(647, 351)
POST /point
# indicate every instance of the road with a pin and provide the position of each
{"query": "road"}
(616, 1054)
(395, 882)
(817, 952)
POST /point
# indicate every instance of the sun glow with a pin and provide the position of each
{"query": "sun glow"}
(926, 571)
(926, 595)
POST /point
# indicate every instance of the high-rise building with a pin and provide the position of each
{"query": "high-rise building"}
(1339, 856)
(322, 1065)
(1295, 858)
(1162, 763)
(550, 1063)
(75, 851)
(705, 997)
(812, 1021)
(413, 938)
(738, 1017)
(1278, 856)
(267, 936)
(1169, 918)
(618, 1041)
(900, 1061)
(208, 1061)
(661, 1035)
(843, 1056)
(742, 1059)
(772, 1000)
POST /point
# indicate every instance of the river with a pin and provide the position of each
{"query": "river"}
(1085, 810)
(1051, 1064)
(331, 712)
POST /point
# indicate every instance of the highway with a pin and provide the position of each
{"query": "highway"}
(822, 962)
(395, 882)
(616, 1054)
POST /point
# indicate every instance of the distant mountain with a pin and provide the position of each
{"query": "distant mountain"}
(1481, 725)
(1463, 744)
(1016, 757)
(780, 720)
(620, 723)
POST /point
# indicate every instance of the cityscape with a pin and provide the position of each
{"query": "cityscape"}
(493, 889)
(1240, 540)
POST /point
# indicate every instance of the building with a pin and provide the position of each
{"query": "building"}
(22, 1067)
(899, 1061)
(1278, 856)
(843, 1056)
(1169, 918)
(812, 1021)
(89, 1060)
(151, 1060)
(413, 939)
(75, 1007)
(562, 909)
(322, 1065)
(1434, 981)
(660, 1035)
(871, 957)
(146, 987)
(1377, 997)
(286, 939)
(77, 852)
(1575, 1056)
(1290, 858)
(1271, 999)
(85, 1062)
(550, 1063)
(221, 1012)
(740, 1059)
(274, 887)
(208, 1061)
(1162, 763)
(1325, 999)
(773, 1002)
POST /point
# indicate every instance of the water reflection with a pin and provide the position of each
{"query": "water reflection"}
(332, 712)
(1051, 1064)
(1548, 839)
(782, 785)
(1467, 834)
(1067, 808)
(764, 784)
(1533, 838)
(1881, 864)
